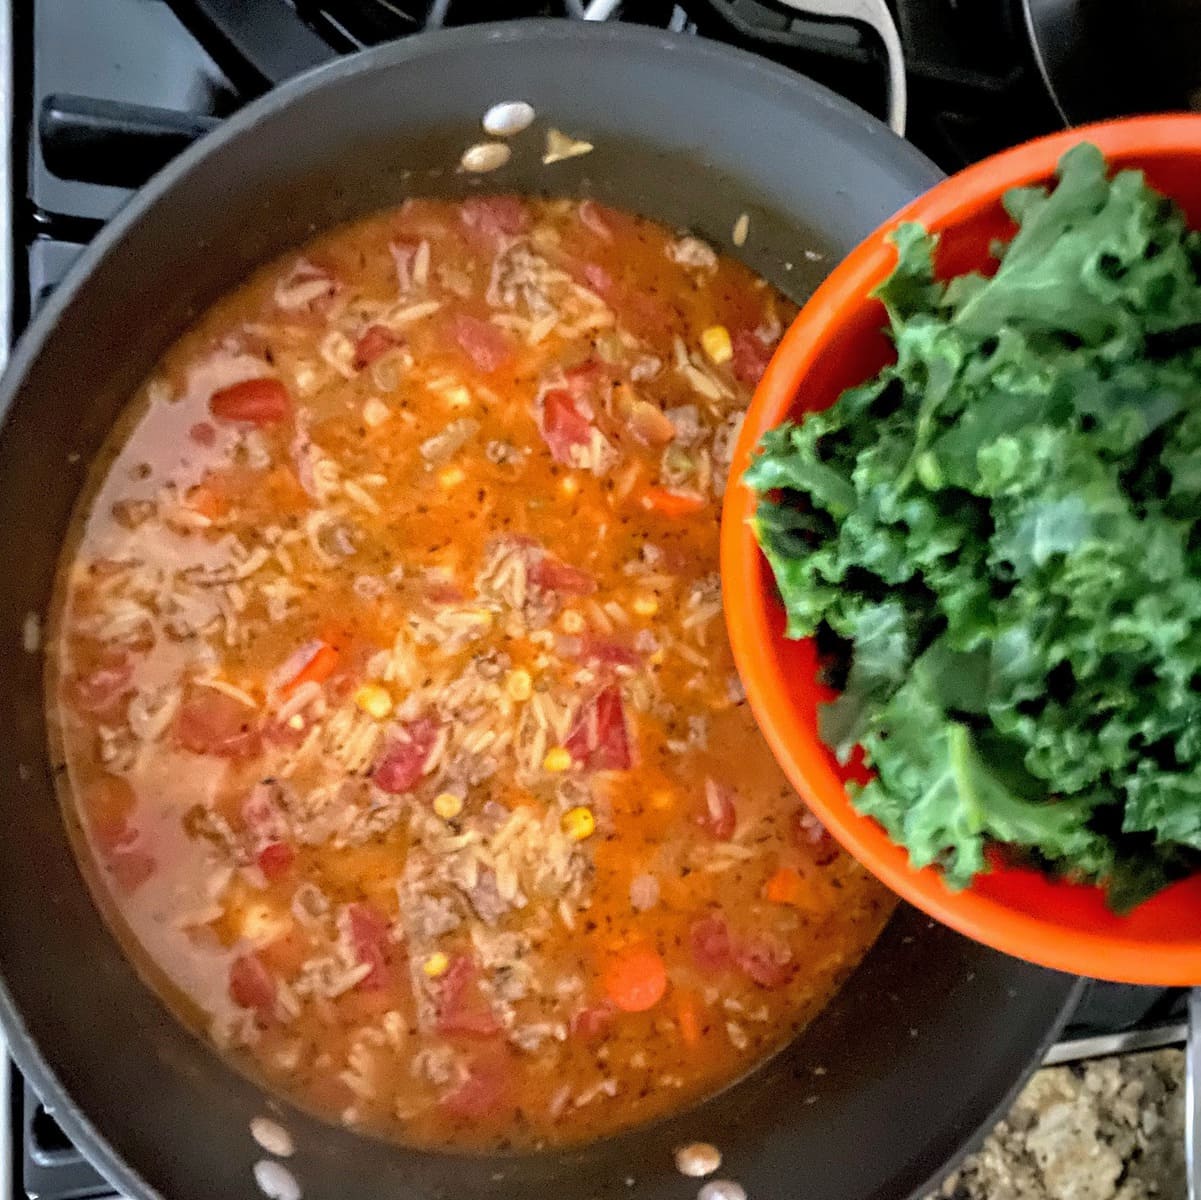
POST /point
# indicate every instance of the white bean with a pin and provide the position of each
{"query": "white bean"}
(508, 118)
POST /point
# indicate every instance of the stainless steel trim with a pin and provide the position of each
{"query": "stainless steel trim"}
(7, 232)
(7, 250)
(1192, 1109)
(876, 14)
(1116, 1043)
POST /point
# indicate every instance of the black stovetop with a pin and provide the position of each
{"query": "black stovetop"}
(105, 91)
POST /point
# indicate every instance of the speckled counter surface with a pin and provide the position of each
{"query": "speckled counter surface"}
(1110, 1129)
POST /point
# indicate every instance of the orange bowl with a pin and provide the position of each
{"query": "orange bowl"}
(837, 341)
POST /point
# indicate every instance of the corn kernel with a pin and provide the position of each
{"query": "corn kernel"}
(645, 606)
(436, 964)
(447, 805)
(571, 622)
(558, 758)
(569, 485)
(717, 345)
(296, 721)
(656, 658)
(518, 684)
(373, 700)
(450, 477)
(578, 823)
(457, 397)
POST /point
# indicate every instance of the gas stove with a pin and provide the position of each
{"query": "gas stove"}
(99, 95)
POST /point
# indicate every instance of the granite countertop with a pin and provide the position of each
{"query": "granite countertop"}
(1107, 1129)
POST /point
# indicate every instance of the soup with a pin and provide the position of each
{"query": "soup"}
(394, 695)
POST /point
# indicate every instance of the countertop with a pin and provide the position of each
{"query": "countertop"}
(1107, 1129)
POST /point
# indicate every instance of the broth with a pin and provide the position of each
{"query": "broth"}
(395, 696)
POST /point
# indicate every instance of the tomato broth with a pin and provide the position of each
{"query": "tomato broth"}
(394, 695)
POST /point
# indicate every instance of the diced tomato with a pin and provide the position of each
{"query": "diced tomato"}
(583, 379)
(203, 434)
(481, 1092)
(709, 941)
(813, 838)
(553, 575)
(751, 357)
(376, 341)
(461, 1007)
(211, 722)
(98, 691)
(487, 346)
(765, 959)
(275, 860)
(253, 401)
(600, 738)
(108, 804)
(718, 817)
(592, 1021)
(607, 653)
(564, 427)
(251, 985)
(402, 763)
(494, 216)
(367, 929)
(130, 868)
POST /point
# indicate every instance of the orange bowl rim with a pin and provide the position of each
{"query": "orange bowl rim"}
(748, 598)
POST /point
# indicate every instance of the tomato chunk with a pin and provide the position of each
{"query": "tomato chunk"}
(275, 860)
(99, 691)
(494, 217)
(486, 345)
(709, 941)
(251, 985)
(751, 357)
(553, 575)
(376, 341)
(212, 723)
(592, 1021)
(253, 401)
(765, 959)
(565, 429)
(481, 1092)
(367, 930)
(600, 738)
(130, 868)
(461, 1007)
(400, 767)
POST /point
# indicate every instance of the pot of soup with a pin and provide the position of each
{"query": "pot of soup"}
(383, 812)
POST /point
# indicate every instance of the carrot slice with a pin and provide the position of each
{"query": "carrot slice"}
(317, 670)
(636, 979)
(784, 887)
(688, 1019)
(669, 503)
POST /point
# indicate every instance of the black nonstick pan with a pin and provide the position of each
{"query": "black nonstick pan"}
(928, 1039)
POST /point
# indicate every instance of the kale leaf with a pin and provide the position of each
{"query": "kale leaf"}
(1003, 529)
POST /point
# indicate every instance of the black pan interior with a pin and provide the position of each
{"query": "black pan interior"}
(928, 1038)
